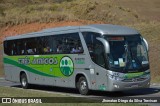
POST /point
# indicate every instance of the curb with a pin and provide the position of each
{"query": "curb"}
(1, 78)
(155, 84)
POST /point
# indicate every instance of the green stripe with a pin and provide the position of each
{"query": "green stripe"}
(12, 62)
(135, 75)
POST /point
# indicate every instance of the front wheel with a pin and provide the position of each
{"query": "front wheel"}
(83, 86)
(24, 81)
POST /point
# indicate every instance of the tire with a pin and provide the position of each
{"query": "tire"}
(24, 81)
(82, 86)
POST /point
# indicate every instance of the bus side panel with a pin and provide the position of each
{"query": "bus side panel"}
(11, 73)
(61, 82)
(51, 81)
(8, 73)
(39, 79)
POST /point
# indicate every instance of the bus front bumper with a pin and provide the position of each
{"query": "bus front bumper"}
(115, 85)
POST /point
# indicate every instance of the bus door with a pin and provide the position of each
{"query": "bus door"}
(100, 66)
(97, 55)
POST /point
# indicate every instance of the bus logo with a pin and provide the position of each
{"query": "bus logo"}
(66, 66)
(134, 79)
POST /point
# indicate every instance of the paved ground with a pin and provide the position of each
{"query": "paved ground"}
(153, 91)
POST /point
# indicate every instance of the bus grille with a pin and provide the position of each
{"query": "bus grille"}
(134, 79)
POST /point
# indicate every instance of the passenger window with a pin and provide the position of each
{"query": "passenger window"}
(69, 43)
(8, 47)
(53, 44)
(30, 46)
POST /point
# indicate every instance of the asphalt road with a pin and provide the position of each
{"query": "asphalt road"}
(153, 91)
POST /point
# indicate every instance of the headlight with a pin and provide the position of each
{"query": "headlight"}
(113, 77)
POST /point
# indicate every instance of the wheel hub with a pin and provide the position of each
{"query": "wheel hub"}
(24, 82)
(83, 85)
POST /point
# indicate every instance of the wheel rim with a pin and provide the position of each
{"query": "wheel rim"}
(83, 85)
(24, 82)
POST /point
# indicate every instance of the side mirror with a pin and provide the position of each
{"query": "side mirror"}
(105, 43)
(146, 43)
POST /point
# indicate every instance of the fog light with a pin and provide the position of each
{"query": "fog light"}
(116, 86)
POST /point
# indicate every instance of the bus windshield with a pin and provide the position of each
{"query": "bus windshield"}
(127, 53)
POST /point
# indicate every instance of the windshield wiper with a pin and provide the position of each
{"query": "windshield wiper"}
(126, 56)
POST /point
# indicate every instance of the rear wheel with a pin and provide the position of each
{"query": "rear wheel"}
(82, 86)
(24, 81)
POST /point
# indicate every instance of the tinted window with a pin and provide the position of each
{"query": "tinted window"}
(64, 43)
(70, 43)
(95, 48)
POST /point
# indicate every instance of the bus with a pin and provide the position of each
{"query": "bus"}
(101, 57)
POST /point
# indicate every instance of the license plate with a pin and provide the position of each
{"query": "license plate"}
(134, 85)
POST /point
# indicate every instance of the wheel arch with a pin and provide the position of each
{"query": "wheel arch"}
(78, 75)
(23, 72)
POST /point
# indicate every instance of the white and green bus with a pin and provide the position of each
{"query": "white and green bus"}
(93, 57)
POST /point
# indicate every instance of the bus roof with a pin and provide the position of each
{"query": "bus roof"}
(107, 29)
(110, 29)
